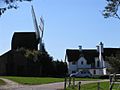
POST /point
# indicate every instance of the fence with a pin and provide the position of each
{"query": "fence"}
(114, 79)
(70, 82)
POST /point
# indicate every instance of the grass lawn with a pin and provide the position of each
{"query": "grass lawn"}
(34, 80)
(2, 82)
(86, 79)
(93, 86)
(40, 80)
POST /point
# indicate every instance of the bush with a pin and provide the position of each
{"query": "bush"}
(104, 77)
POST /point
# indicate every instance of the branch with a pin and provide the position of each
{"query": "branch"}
(10, 4)
(111, 9)
(117, 5)
(117, 16)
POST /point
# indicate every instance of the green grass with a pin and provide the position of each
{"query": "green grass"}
(34, 80)
(86, 79)
(93, 86)
(40, 80)
(2, 82)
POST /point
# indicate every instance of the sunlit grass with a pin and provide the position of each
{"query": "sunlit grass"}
(34, 80)
(40, 80)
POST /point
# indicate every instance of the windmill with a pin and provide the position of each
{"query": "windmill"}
(38, 28)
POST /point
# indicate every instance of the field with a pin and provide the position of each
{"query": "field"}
(34, 80)
(40, 80)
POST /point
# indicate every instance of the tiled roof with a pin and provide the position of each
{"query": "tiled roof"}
(111, 51)
(89, 54)
(74, 55)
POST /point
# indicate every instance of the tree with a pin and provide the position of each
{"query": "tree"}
(60, 68)
(9, 4)
(111, 10)
(114, 62)
(41, 64)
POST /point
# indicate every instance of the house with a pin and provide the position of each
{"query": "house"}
(92, 60)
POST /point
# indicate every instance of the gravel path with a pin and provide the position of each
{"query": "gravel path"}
(52, 86)
(10, 85)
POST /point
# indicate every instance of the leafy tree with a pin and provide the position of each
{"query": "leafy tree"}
(9, 4)
(60, 68)
(114, 62)
(111, 10)
(41, 64)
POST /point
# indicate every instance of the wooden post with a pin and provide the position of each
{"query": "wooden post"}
(79, 84)
(73, 82)
(111, 86)
(98, 86)
(65, 82)
(69, 82)
(110, 79)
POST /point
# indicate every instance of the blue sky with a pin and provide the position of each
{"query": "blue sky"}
(68, 24)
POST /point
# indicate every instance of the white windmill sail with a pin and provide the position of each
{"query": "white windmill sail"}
(35, 24)
(41, 26)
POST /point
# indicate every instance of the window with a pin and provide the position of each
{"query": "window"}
(81, 62)
(81, 72)
(94, 71)
(98, 63)
(73, 71)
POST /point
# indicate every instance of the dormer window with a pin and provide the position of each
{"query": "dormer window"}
(81, 62)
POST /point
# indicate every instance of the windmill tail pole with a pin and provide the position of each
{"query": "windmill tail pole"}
(40, 46)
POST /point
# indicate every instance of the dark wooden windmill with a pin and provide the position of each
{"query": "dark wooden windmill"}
(29, 40)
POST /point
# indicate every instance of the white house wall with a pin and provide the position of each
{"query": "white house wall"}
(72, 67)
(91, 71)
(81, 64)
(84, 65)
(104, 71)
(96, 60)
(96, 71)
